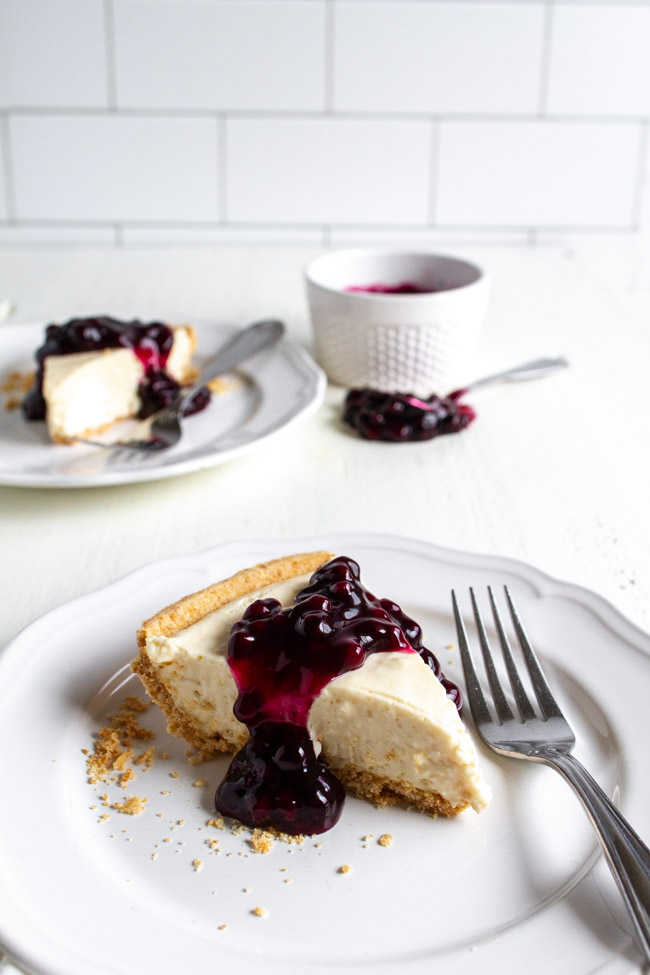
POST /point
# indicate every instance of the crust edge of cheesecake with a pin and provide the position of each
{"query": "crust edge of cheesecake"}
(382, 791)
(376, 789)
(89, 431)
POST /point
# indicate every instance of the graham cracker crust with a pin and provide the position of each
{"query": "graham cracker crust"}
(89, 431)
(382, 791)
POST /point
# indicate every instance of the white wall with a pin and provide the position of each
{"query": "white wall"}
(325, 121)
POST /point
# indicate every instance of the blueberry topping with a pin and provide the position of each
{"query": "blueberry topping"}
(281, 659)
(396, 417)
(277, 780)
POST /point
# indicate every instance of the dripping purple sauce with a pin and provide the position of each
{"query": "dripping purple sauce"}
(281, 659)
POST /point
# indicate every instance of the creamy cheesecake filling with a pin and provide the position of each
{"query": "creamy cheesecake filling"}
(90, 390)
(391, 717)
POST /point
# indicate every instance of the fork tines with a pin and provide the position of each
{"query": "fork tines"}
(547, 704)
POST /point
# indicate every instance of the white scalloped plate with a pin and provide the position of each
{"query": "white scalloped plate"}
(272, 390)
(518, 888)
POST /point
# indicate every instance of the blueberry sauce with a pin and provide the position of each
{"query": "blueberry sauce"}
(403, 288)
(401, 417)
(281, 659)
(151, 343)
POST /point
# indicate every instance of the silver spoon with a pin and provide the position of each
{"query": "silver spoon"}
(528, 370)
(163, 428)
(371, 420)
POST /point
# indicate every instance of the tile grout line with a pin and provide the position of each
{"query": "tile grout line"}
(271, 115)
(7, 160)
(109, 48)
(545, 67)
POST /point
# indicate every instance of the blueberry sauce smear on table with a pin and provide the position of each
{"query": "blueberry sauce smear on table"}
(281, 659)
(400, 417)
(151, 343)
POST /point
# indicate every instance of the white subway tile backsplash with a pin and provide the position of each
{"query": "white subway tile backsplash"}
(259, 55)
(437, 57)
(52, 53)
(538, 174)
(109, 168)
(600, 60)
(327, 122)
(328, 171)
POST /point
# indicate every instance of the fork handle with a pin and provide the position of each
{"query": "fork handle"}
(627, 855)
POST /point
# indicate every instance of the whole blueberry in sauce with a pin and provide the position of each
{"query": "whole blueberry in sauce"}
(281, 659)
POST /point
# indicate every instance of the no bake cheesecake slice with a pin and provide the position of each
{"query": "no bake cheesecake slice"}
(93, 372)
(314, 682)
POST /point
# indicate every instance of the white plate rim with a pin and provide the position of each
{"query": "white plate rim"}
(545, 585)
(290, 354)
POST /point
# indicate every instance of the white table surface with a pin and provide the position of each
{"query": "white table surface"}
(554, 472)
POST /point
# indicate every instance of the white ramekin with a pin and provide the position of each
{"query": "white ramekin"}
(422, 343)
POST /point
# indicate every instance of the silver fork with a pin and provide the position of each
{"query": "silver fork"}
(548, 739)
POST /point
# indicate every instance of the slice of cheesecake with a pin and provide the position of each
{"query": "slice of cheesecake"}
(388, 729)
(93, 372)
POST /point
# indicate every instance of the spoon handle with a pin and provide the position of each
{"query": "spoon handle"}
(236, 350)
(528, 370)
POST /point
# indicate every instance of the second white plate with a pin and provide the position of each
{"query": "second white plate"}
(273, 390)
